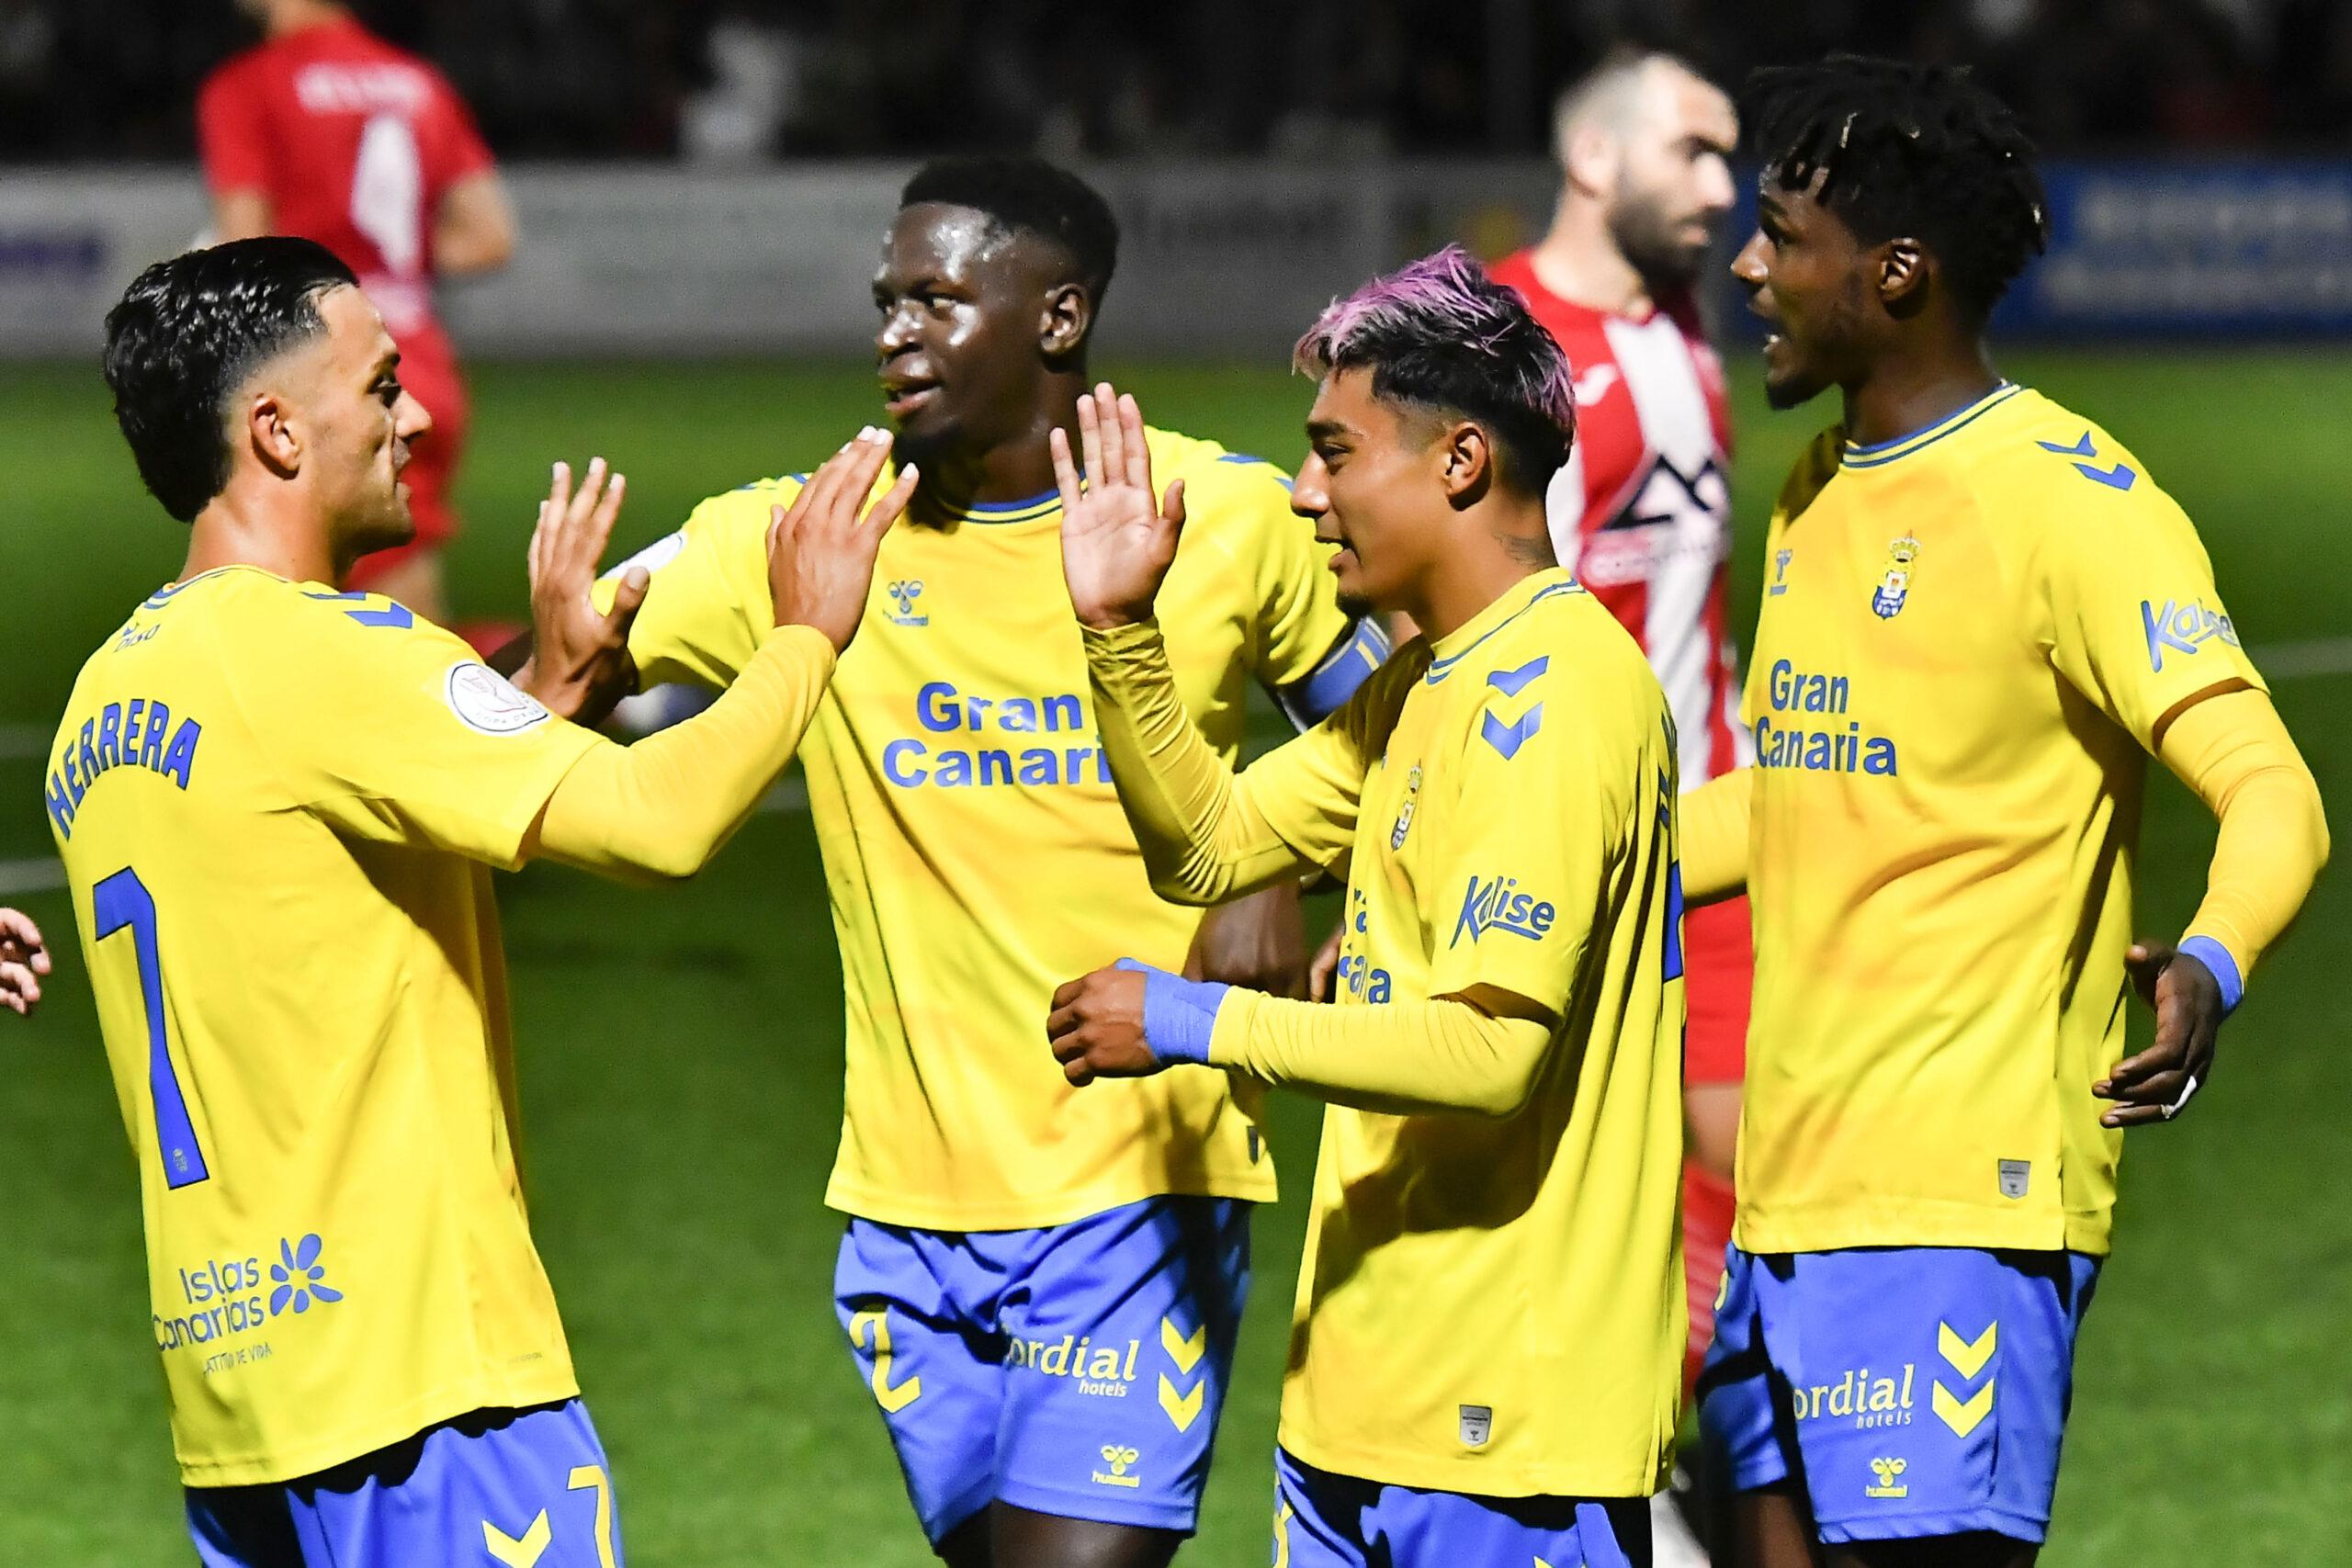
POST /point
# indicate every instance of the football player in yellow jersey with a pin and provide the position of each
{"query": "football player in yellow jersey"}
(1485, 1356)
(1041, 1292)
(1982, 615)
(276, 805)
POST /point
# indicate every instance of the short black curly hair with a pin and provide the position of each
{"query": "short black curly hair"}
(1027, 195)
(186, 335)
(1917, 151)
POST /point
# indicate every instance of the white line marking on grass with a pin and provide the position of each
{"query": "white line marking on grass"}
(2293, 661)
(43, 874)
(20, 741)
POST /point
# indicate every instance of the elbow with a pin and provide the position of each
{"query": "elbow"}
(1510, 1088)
(667, 860)
(1190, 881)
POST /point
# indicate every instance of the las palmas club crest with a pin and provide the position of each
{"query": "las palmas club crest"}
(1895, 583)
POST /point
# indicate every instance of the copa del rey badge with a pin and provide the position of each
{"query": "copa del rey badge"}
(486, 701)
(1895, 583)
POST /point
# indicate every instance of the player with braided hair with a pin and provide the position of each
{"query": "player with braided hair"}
(1981, 618)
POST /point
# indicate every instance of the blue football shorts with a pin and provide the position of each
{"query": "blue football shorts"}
(1322, 1520)
(1905, 1392)
(1078, 1370)
(520, 1486)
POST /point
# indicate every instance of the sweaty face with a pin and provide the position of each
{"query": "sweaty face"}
(1807, 275)
(963, 308)
(344, 399)
(1674, 176)
(1371, 486)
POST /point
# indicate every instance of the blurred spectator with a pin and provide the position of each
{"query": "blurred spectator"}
(110, 79)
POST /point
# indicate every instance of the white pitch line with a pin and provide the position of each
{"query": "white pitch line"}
(43, 874)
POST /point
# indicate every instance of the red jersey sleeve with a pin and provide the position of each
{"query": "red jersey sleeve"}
(454, 148)
(233, 130)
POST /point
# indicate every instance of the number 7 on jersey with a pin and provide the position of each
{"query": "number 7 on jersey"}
(120, 901)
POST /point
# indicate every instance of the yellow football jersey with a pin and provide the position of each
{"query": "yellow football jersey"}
(974, 847)
(271, 800)
(1496, 1305)
(1970, 638)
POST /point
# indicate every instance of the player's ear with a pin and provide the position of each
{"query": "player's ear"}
(1068, 314)
(1468, 456)
(269, 430)
(1589, 156)
(1903, 267)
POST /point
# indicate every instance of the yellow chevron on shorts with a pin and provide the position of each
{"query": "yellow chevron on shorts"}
(1183, 1408)
(1967, 1359)
(1184, 1350)
(518, 1552)
(1964, 1415)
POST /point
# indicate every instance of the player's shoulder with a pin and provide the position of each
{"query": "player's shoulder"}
(1199, 461)
(1562, 653)
(1237, 501)
(243, 72)
(746, 506)
(267, 623)
(2052, 470)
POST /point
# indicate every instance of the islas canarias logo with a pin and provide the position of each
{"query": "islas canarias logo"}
(222, 1299)
(1895, 582)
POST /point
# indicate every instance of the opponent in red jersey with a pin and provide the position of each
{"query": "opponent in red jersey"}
(1642, 510)
(326, 131)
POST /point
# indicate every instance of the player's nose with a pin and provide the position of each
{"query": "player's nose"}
(410, 419)
(1310, 493)
(1748, 265)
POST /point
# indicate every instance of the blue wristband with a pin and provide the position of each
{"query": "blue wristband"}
(1179, 1015)
(2216, 957)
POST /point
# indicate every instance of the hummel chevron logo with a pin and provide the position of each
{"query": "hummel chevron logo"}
(1507, 739)
(1185, 1352)
(394, 614)
(2117, 478)
(1964, 1415)
(518, 1552)
(1510, 683)
(1967, 1359)
(1184, 1408)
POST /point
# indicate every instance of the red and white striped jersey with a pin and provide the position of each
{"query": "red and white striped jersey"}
(1642, 511)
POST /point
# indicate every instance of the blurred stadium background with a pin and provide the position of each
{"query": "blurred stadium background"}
(701, 184)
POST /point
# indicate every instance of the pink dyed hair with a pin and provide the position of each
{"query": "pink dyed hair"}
(1441, 331)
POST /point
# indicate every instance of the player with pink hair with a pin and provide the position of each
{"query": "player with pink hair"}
(1485, 1358)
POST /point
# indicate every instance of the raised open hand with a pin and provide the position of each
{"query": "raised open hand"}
(1118, 534)
(579, 664)
(822, 547)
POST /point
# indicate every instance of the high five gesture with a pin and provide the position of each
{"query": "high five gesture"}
(1118, 534)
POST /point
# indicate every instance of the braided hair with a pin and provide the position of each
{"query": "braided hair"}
(1920, 151)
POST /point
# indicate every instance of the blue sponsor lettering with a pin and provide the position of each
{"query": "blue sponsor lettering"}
(1367, 984)
(1792, 690)
(2183, 629)
(908, 764)
(1496, 905)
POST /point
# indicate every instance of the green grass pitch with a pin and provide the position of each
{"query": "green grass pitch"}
(682, 1058)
